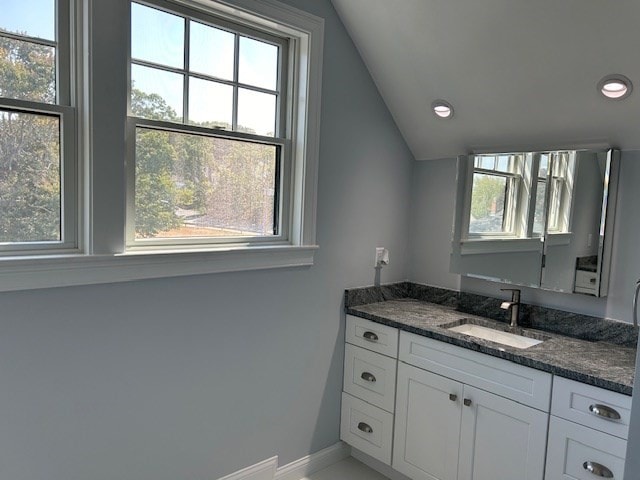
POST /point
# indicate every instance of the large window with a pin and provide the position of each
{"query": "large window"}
(207, 130)
(38, 191)
(153, 138)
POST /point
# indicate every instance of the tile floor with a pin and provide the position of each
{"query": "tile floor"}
(347, 469)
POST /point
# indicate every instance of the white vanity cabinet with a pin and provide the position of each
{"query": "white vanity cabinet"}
(587, 432)
(449, 429)
(436, 411)
(369, 387)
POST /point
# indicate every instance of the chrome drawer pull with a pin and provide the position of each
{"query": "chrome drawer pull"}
(453, 397)
(604, 411)
(597, 469)
(372, 337)
(467, 402)
(365, 428)
(368, 377)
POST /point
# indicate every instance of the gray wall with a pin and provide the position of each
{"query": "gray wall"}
(197, 377)
(430, 242)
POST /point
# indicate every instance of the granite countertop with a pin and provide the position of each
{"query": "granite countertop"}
(602, 364)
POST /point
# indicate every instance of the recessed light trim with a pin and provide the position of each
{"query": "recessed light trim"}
(442, 109)
(615, 87)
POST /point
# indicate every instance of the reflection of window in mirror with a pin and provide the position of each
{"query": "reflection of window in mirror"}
(561, 192)
(495, 191)
(539, 217)
(554, 193)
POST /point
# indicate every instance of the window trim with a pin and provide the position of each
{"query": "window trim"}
(289, 97)
(97, 39)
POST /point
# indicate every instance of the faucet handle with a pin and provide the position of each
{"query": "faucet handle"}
(515, 294)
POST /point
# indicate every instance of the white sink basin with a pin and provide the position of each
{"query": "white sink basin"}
(497, 336)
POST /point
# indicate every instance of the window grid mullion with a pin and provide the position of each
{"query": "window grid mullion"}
(26, 38)
(236, 76)
(202, 76)
(185, 77)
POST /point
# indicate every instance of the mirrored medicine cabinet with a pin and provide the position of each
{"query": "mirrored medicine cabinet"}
(537, 219)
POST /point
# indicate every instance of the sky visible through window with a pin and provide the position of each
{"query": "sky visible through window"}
(17, 17)
(158, 37)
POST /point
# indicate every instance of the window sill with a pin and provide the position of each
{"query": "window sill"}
(502, 245)
(25, 273)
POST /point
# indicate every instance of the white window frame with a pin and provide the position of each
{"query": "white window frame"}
(100, 66)
(280, 139)
(64, 109)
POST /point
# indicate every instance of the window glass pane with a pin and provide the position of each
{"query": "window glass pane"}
(27, 71)
(544, 166)
(30, 184)
(210, 103)
(256, 112)
(18, 17)
(555, 203)
(488, 163)
(539, 214)
(211, 51)
(258, 64)
(194, 186)
(503, 163)
(487, 203)
(157, 36)
(156, 94)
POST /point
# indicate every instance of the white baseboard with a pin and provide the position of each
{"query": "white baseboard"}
(314, 462)
(264, 470)
(296, 470)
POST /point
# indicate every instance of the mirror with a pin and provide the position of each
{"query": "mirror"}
(537, 219)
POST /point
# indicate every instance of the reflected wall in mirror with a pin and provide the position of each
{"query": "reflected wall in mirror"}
(537, 219)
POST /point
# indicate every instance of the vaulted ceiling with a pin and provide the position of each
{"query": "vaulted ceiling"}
(520, 74)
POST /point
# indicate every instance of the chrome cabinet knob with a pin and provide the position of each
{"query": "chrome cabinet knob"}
(453, 397)
(604, 411)
(597, 469)
(467, 402)
(372, 337)
(365, 428)
(368, 377)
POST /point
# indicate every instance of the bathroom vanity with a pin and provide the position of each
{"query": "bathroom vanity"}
(435, 403)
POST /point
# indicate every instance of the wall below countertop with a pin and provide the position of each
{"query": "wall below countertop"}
(198, 377)
(433, 195)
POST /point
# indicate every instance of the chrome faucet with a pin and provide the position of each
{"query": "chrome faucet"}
(513, 305)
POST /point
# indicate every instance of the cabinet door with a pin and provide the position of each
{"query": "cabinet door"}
(500, 439)
(427, 431)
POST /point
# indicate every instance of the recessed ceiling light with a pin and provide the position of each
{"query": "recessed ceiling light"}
(442, 109)
(615, 87)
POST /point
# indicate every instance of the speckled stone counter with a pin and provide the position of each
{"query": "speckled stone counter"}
(600, 363)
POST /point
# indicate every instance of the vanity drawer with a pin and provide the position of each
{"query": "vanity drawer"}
(574, 449)
(586, 282)
(591, 406)
(370, 376)
(366, 428)
(372, 336)
(523, 384)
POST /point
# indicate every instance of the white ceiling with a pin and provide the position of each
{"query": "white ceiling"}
(520, 74)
